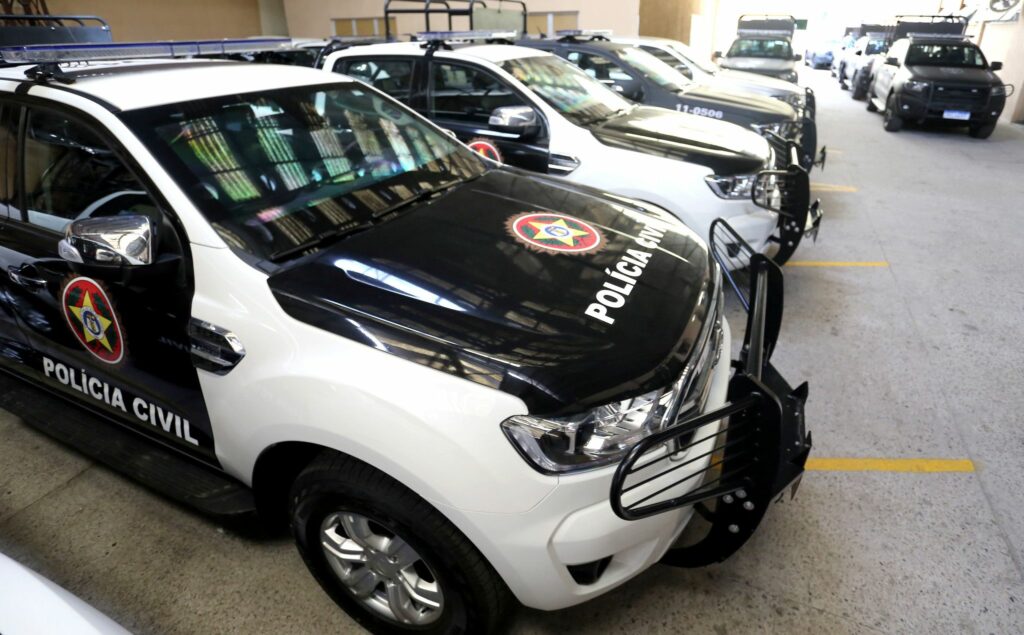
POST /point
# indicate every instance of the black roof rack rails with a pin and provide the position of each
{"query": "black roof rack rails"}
(766, 24)
(480, 15)
(21, 30)
(340, 43)
(436, 40)
(928, 24)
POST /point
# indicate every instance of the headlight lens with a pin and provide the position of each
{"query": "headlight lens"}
(1000, 91)
(789, 76)
(731, 187)
(593, 439)
(915, 86)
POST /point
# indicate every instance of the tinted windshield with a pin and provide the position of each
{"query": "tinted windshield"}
(566, 88)
(654, 69)
(945, 55)
(277, 170)
(688, 53)
(770, 47)
(874, 47)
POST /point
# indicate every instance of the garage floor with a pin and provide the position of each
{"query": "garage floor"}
(907, 319)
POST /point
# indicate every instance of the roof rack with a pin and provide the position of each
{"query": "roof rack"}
(771, 32)
(481, 16)
(771, 23)
(955, 37)
(46, 58)
(20, 30)
(576, 35)
(930, 24)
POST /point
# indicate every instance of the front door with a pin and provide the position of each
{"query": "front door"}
(14, 349)
(113, 340)
(461, 98)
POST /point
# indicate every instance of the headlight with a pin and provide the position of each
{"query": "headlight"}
(731, 187)
(593, 439)
(789, 76)
(784, 129)
(916, 86)
(1002, 90)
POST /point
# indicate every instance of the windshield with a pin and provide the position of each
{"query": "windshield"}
(874, 47)
(774, 48)
(688, 54)
(657, 71)
(277, 170)
(958, 55)
(566, 88)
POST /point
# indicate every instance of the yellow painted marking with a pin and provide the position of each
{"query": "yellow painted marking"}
(837, 263)
(889, 465)
(828, 187)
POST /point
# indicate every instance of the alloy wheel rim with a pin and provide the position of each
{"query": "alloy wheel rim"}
(381, 570)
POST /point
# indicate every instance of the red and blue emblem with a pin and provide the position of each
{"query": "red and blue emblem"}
(91, 317)
(555, 233)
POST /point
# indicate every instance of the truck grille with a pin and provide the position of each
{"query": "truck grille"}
(952, 96)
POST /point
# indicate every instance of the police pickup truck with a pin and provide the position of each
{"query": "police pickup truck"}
(938, 77)
(273, 293)
(533, 110)
(763, 45)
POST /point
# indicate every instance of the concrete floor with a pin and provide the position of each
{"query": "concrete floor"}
(922, 358)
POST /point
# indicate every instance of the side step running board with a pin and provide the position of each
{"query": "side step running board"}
(161, 469)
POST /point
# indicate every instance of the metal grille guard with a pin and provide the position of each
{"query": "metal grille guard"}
(798, 216)
(760, 447)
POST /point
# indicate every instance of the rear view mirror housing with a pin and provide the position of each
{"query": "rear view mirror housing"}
(520, 120)
(995, 66)
(892, 61)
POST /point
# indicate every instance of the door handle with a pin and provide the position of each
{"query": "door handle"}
(18, 277)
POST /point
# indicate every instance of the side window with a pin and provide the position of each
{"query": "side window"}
(393, 77)
(8, 157)
(463, 93)
(70, 173)
(600, 68)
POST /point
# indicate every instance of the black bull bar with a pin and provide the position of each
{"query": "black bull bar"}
(759, 448)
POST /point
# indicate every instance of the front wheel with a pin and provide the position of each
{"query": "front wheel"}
(891, 121)
(982, 131)
(387, 557)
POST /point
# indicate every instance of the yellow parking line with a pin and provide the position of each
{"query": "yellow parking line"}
(837, 263)
(889, 465)
(828, 187)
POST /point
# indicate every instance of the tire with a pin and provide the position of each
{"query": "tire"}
(843, 84)
(859, 91)
(891, 121)
(342, 501)
(983, 131)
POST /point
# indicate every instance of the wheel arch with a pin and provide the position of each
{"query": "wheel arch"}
(275, 470)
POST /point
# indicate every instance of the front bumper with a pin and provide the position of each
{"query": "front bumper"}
(931, 106)
(757, 454)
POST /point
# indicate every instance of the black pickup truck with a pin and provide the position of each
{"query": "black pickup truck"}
(938, 77)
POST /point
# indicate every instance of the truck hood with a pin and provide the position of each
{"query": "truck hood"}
(725, 148)
(453, 285)
(746, 106)
(981, 76)
(757, 63)
(761, 84)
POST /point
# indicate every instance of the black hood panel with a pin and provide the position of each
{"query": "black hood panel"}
(740, 107)
(955, 75)
(447, 285)
(726, 148)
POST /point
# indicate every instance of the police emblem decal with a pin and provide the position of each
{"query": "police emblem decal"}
(555, 233)
(485, 147)
(91, 317)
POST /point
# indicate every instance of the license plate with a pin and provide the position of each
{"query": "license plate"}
(961, 115)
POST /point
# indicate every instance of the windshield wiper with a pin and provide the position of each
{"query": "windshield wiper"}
(320, 241)
(602, 118)
(419, 197)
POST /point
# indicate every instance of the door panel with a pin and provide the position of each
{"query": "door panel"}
(14, 349)
(114, 340)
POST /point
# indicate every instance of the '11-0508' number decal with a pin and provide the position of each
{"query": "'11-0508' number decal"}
(700, 110)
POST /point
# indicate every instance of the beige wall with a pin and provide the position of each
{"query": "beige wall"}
(668, 18)
(272, 19)
(1004, 42)
(169, 19)
(312, 18)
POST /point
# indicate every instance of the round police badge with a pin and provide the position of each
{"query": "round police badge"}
(485, 147)
(555, 233)
(91, 317)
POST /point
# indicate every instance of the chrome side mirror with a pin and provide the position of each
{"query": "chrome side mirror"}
(521, 120)
(109, 240)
